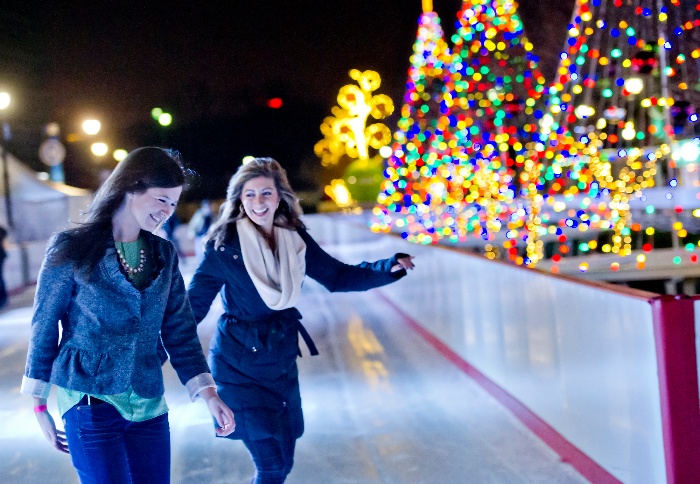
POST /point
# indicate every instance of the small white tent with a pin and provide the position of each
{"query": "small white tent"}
(39, 208)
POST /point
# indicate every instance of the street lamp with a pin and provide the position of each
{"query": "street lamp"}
(119, 154)
(5, 100)
(99, 149)
(91, 126)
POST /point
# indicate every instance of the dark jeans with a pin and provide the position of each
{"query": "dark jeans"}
(107, 448)
(273, 459)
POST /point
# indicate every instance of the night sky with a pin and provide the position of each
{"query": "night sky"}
(214, 64)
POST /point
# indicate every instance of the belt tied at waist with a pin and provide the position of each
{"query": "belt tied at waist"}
(307, 339)
(274, 331)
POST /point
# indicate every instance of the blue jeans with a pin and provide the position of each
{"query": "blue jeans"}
(273, 459)
(107, 448)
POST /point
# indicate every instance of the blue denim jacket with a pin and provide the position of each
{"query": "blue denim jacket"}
(111, 332)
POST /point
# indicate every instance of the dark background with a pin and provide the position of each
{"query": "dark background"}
(213, 65)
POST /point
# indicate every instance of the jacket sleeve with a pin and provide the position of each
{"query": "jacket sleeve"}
(54, 291)
(337, 276)
(206, 282)
(179, 333)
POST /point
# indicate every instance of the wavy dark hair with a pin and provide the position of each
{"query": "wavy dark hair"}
(143, 168)
(288, 213)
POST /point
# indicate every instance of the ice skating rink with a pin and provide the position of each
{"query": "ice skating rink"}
(381, 406)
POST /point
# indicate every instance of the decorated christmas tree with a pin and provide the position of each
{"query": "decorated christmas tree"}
(406, 196)
(620, 117)
(459, 158)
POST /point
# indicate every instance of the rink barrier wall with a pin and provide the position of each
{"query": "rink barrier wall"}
(605, 375)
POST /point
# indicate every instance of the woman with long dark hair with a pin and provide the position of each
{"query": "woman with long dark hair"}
(257, 254)
(121, 302)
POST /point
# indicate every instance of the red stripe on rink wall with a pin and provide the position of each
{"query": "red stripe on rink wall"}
(674, 333)
(569, 453)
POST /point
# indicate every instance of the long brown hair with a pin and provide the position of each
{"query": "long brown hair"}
(287, 215)
(142, 169)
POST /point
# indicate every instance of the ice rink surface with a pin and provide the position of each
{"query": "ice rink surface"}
(381, 406)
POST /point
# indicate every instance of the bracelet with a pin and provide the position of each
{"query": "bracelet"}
(40, 408)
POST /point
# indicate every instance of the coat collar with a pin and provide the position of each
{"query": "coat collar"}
(112, 268)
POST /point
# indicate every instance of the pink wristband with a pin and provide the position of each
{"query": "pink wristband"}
(40, 408)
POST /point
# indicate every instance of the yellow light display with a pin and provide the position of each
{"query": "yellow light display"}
(346, 132)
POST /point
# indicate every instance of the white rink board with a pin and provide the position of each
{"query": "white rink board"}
(580, 357)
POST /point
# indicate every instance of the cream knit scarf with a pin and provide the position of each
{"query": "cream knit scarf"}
(277, 277)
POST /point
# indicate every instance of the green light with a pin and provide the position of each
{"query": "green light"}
(626, 231)
(583, 247)
(677, 260)
(580, 60)
(640, 135)
(649, 209)
(424, 108)
(607, 92)
(689, 247)
(156, 112)
(615, 53)
(165, 119)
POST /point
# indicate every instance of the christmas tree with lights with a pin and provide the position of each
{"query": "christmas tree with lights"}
(405, 189)
(620, 115)
(459, 168)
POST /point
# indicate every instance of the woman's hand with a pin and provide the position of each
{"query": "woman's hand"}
(220, 411)
(405, 262)
(57, 438)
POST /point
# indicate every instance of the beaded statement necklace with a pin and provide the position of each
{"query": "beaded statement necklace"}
(137, 257)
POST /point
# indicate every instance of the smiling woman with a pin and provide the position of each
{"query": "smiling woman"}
(116, 292)
(147, 210)
(258, 254)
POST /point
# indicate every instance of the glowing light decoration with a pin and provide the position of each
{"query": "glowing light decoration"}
(339, 193)
(634, 85)
(347, 132)
(628, 64)
(483, 150)
(459, 153)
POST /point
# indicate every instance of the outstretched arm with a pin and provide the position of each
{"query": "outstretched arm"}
(337, 276)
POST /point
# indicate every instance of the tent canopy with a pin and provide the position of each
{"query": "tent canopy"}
(39, 208)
